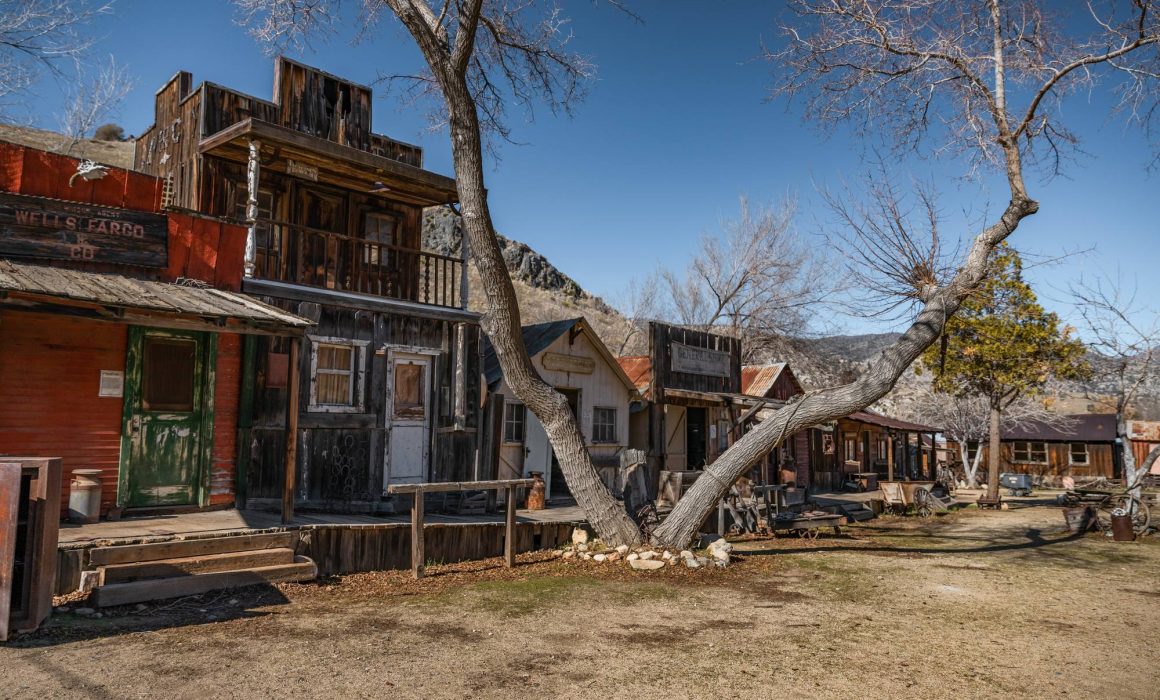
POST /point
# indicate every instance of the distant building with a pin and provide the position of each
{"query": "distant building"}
(1085, 448)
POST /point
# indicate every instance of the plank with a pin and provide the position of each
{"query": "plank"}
(303, 569)
(460, 486)
(9, 512)
(417, 549)
(188, 566)
(173, 549)
(509, 552)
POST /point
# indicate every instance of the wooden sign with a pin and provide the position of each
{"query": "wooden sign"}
(691, 360)
(302, 170)
(35, 227)
(569, 363)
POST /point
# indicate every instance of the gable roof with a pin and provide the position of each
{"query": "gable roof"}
(759, 380)
(1085, 427)
(538, 337)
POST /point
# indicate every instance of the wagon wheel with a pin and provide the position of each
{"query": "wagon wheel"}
(923, 503)
(1141, 515)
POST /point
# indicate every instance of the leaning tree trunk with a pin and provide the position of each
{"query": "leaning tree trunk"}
(993, 456)
(502, 320)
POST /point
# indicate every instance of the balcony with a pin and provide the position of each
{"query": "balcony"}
(315, 258)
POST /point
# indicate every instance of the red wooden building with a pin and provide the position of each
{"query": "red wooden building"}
(121, 329)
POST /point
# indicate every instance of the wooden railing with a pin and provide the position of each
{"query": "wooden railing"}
(318, 258)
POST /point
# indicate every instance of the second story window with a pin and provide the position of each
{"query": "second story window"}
(379, 230)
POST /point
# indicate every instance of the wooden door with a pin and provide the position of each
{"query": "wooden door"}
(408, 419)
(168, 418)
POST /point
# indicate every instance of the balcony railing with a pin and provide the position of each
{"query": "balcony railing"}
(317, 258)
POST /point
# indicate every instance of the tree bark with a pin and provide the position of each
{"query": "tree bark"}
(993, 456)
(502, 320)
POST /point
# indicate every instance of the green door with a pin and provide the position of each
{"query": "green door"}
(168, 418)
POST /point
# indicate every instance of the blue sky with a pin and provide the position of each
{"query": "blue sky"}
(675, 129)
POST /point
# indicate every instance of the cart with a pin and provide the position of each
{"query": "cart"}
(899, 497)
(1104, 502)
(806, 525)
(1016, 484)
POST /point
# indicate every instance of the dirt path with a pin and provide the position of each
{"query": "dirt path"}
(969, 605)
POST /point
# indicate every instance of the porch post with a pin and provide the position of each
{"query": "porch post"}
(253, 172)
(890, 455)
(465, 256)
(291, 435)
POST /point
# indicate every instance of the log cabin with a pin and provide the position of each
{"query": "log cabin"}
(571, 357)
(121, 333)
(384, 390)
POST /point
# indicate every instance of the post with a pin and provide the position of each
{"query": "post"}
(721, 517)
(890, 456)
(509, 545)
(253, 174)
(418, 550)
(465, 256)
(291, 464)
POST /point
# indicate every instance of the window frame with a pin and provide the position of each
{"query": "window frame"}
(1029, 451)
(605, 440)
(357, 374)
(848, 454)
(508, 407)
(1087, 455)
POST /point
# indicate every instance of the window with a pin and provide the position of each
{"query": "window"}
(169, 368)
(851, 444)
(1032, 452)
(1078, 453)
(514, 422)
(883, 449)
(722, 436)
(337, 374)
(379, 229)
(603, 424)
(409, 395)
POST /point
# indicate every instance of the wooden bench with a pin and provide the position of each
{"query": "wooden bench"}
(417, 544)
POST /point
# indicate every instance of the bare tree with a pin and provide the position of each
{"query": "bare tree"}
(754, 279)
(639, 303)
(1125, 336)
(38, 37)
(96, 94)
(885, 64)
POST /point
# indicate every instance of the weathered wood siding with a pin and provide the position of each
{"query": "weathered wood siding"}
(1101, 461)
(341, 456)
(662, 336)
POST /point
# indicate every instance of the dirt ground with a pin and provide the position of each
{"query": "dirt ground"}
(967, 605)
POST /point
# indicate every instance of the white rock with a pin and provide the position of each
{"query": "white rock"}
(614, 556)
(720, 557)
(706, 539)
(568, 555)
(600, 557)
(646, 564)
(579, 536)
(647, 555)
(719, 544)
(582, 547)
(633, 557)
(666, 555)
(622, 550)
(692, 563)
(686, 554)
(703, 561)
(585, 556)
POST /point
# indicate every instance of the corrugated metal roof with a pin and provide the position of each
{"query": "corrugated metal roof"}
(1084, 427)
(639, 370)
(758, 380)
(145, 295)
(888, 422)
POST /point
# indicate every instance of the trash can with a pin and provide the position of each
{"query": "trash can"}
(1122, 526)
(84, 496)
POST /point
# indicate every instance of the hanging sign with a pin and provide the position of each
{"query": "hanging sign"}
(569, 363)
(691, 360)
(35, 227)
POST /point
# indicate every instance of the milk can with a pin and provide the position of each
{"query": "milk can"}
(536, 494)
(84, 496)
(1122, 526)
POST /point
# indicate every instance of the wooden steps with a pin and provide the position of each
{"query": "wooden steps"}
(139, 573)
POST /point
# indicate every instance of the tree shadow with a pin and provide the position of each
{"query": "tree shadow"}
(188, 611)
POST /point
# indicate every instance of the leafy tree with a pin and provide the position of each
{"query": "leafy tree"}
(1003, 346)
(109, 132)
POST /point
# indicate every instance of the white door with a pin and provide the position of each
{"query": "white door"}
(408, 420)
(538, 452)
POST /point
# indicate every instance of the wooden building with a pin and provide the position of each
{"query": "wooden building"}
(1144, 436)
(691, 384)
(1086, 448)
(867, 442)
(121, 332)
(571, 357)
(791, 463)
(385, 388)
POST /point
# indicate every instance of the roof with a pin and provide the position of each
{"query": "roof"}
(1085, 427)
(888, 422)
(126, 293)
(758, 380)
(539, 337)
(638, 369)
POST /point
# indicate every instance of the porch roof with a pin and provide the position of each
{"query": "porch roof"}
(145, 302)
(336, 164)
(888, 422)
